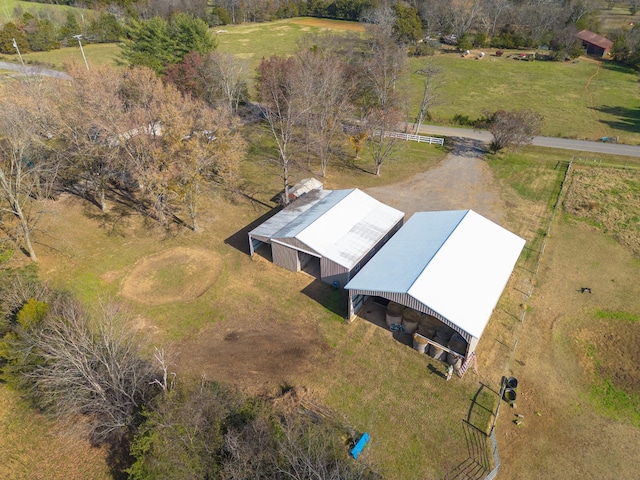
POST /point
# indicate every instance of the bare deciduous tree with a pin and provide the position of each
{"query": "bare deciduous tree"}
(512, 128)
(282, 106)
(82, 366)
(27, 157)
(430, 73)
(327, 90)
(379, 100)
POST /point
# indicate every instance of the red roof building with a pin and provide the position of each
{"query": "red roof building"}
(594, 44)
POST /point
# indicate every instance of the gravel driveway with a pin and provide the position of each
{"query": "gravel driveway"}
(463, 180)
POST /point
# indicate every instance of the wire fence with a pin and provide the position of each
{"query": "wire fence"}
(490, 439)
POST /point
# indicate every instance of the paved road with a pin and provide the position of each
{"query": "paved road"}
(31, 70)
(551, 142)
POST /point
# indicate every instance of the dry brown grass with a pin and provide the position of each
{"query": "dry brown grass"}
(326, 23)
(262, 327)
(35, 448)
(177, 275)
(608, 198)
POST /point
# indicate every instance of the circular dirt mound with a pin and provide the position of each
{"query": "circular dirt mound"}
(177, 275)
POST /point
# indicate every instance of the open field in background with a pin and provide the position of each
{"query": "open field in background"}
(584, 99)
(254, 41)
(96, 53)
(35, 448)
(8, 7)
(619, 17)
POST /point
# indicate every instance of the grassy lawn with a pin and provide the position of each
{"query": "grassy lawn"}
(584, 99)
(7, 9)
(261, 172)
(255, 41)
(34, 447)
(96, 53)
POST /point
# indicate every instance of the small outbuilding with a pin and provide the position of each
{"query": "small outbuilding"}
(594, 44)
(334, 232)
(449, 266)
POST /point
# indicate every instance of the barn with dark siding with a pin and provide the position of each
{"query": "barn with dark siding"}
(447, 267)
(594, 44)
(333, 232)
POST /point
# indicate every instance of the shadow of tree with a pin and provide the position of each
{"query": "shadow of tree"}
(626, 119)
(240, 239)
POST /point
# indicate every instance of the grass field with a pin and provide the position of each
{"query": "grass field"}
(8, 8)
(585, 99)
(33, 447)
(578, 388)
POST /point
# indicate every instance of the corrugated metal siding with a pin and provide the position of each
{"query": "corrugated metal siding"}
(297, 244)
(285, 257)
(329, 268)
(408, 301)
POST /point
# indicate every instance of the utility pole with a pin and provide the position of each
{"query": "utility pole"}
(78, 37)
(15, 45)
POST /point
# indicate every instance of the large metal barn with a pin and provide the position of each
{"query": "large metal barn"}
(335, 231)
(445, 267)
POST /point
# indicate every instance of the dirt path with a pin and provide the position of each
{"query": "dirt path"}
(462, 181)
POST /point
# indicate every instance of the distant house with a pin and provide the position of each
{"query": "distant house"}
(594, 44)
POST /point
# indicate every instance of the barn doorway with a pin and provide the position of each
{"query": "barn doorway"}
(309, 264)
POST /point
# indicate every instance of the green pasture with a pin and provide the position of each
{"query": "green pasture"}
(255, 41)
(8, 9)
(96, 53)
(584, 99)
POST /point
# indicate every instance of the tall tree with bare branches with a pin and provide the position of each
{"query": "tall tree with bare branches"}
(28, 158)
(279, 91)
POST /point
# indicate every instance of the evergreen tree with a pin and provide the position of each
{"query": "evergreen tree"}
(157, 43)
(10, 32)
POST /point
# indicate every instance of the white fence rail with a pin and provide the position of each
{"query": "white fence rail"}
(415, 138)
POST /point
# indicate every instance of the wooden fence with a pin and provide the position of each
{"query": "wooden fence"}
(415, 138)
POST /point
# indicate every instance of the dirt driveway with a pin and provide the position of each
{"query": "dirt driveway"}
(462, 181)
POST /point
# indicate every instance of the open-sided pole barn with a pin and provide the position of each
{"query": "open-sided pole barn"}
(451, 266)
(338, 229)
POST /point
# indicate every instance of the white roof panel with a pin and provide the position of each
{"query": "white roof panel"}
(457, 263)
(341, 225)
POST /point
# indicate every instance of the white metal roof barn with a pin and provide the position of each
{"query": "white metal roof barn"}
(451, 265)
(339, 229)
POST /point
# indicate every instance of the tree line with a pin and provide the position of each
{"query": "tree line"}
(502, 24)
(92, 368)
(157, 136)
(118, 133)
